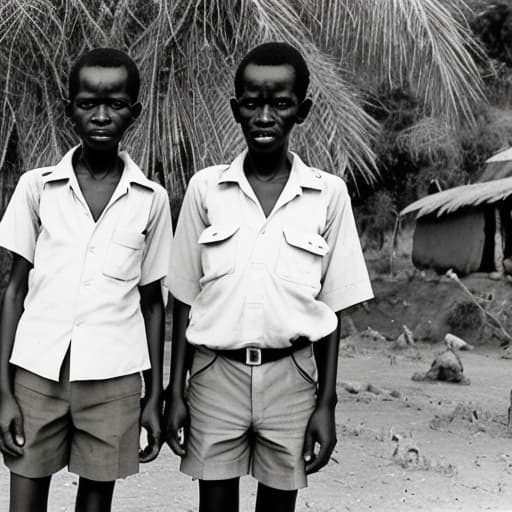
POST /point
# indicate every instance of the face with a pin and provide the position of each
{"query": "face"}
(268, 108)
(102, 109)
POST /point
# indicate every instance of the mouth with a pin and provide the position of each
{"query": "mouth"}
(264, 137)
(100, 135)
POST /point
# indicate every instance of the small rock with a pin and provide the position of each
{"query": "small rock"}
(373, 335)
(400, 342)
(409, 338)
(352, 387)
(405, 339)
(446, 367)
(455, 343)
(371, 388)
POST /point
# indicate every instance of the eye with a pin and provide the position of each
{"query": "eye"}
(118, 104)
(249, 104)
(85, 104)
(282, 104)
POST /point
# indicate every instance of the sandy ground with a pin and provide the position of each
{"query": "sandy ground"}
(461, 456)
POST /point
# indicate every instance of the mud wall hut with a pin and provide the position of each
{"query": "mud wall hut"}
(467, 228)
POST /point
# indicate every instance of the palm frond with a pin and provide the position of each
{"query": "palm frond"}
(187, 51)
(424, 43)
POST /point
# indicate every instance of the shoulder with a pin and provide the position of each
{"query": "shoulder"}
(31, 182)
(150, 192)
(39, 175)
(207, 176)
(205, 180)
(158, 190)
(333, 186)
(160, 200)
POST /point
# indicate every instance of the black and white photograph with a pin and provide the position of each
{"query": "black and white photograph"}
(255, 255)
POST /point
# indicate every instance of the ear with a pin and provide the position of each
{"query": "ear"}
(235, 109)
(136, 109)
(68, 107)
(303, 110)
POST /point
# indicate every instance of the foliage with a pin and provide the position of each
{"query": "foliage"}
(493, 26)
(416, 150)
(187, 51)
(375, 216)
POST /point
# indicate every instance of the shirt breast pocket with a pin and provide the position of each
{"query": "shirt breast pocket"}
(300, 257)
(218, 250)
(123, 257)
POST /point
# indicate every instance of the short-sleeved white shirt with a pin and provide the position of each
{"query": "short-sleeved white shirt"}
(258, 281)
(83, 287)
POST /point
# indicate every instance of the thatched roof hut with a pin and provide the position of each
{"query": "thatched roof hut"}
(467, 228)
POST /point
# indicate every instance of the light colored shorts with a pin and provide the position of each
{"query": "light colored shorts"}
(249, 419)
(90, 426)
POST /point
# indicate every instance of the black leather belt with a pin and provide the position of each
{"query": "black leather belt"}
(254, 356)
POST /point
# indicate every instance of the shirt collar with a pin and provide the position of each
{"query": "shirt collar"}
(131, 172)
(305, 176)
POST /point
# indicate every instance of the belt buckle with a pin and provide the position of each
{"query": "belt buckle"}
(253, 356)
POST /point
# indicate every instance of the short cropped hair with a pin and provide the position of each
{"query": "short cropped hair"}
(276, 54)
(105, 58)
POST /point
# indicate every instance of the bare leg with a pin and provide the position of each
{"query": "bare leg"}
(219, 495)
(269, 499)
(29, 494)
(94, 496)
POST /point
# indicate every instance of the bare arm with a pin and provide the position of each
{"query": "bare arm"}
(154, 320)
(322, 426)
(11, 421)
(176, 413)
(326, 357)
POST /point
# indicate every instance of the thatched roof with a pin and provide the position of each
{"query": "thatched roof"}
(498, 166)
(452, 199)
(494, 185)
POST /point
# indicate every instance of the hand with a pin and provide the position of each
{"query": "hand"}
(176, 419)
(12, 437)
(150, 419)
(321, 429)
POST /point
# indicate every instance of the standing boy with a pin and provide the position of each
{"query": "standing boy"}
(83, 312)
(266, 255)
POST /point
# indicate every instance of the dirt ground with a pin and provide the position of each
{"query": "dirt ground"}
(402, 445)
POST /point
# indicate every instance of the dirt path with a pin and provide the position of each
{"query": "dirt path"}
(464, 452)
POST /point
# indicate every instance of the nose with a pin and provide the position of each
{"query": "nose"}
(264, 115)
(101, 114)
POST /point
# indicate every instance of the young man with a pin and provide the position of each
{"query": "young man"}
(83, 313)
(266, 255)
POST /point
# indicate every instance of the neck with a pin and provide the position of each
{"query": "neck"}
(268, 164)
(100, 163)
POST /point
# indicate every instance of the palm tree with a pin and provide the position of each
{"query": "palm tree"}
(187, 51)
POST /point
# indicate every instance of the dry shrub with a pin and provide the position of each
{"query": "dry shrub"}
(464, 316)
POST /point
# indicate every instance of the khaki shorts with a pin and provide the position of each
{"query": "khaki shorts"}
(90, 426)
(249, 419)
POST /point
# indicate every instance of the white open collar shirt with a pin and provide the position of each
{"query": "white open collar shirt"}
(83, 287)
(258, 281)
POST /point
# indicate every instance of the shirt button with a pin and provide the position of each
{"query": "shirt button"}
(92, 249)
(87, 282)
(263, 232)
